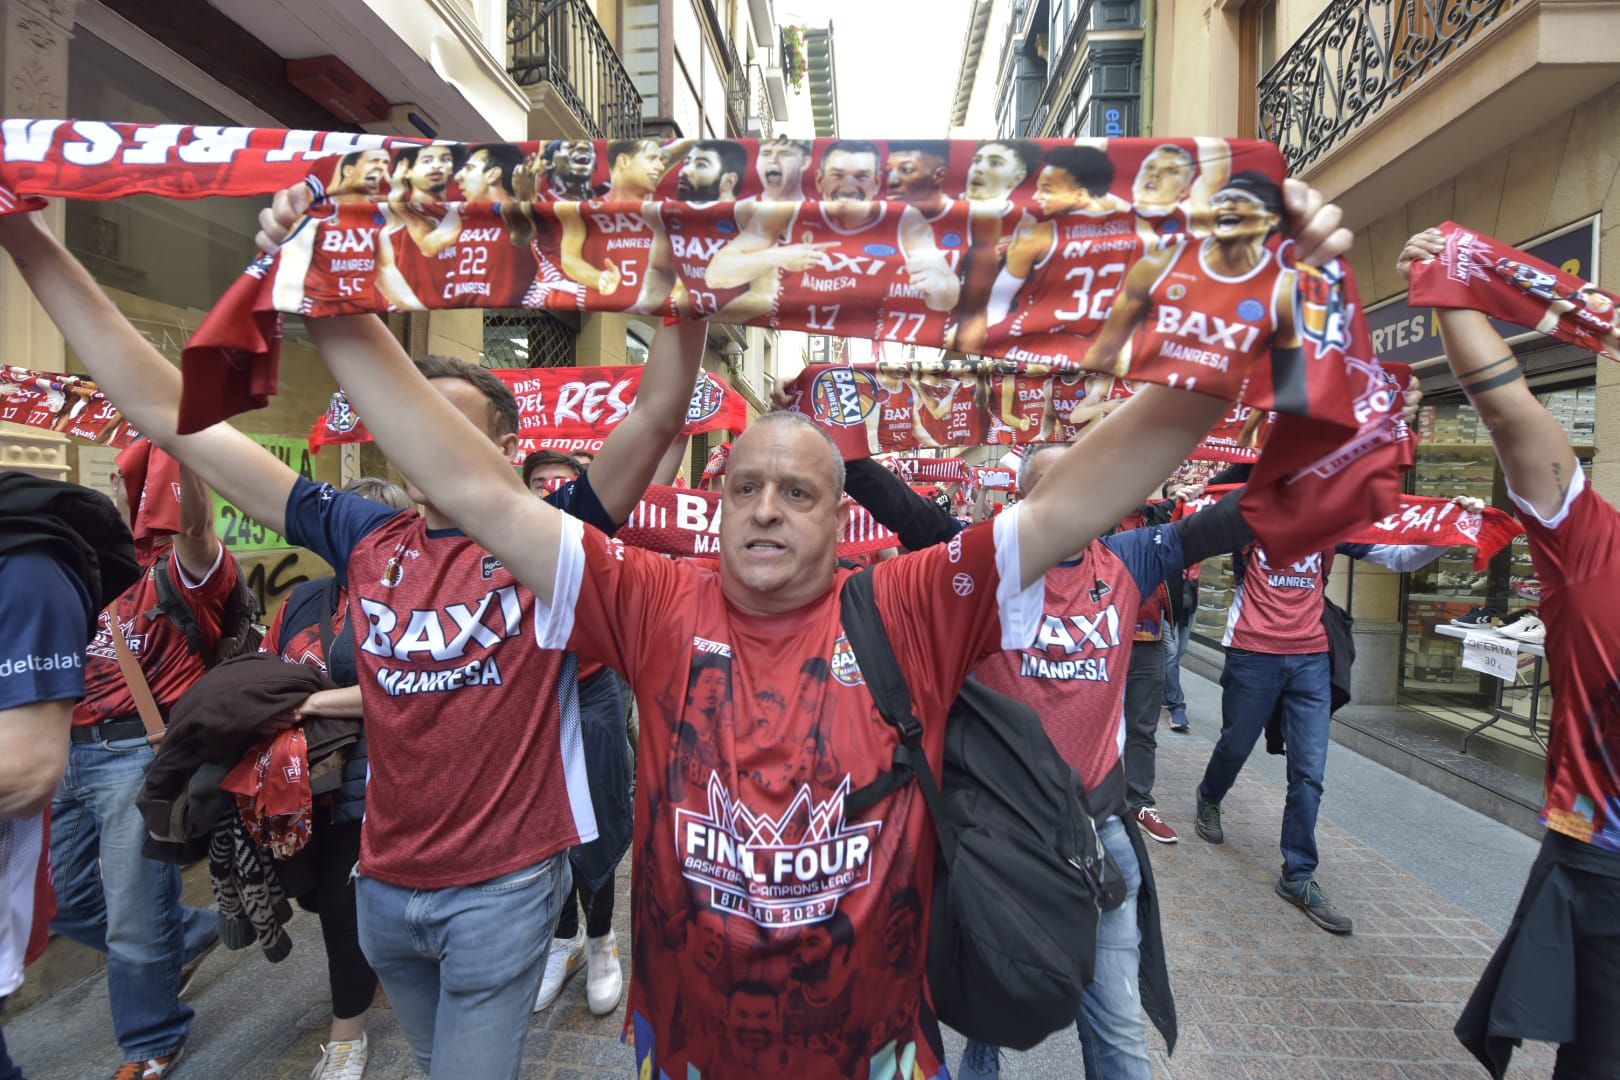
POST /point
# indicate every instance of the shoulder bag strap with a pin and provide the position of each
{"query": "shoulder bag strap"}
(329, 601)
(139, 690)
(880, 669)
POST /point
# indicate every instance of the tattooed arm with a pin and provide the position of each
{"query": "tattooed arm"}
(1531, 445)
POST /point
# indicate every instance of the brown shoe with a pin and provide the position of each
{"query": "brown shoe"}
(1154, 826)
(150, 1069)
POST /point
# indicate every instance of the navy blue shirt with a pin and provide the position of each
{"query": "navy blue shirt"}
(331, 523)
(44, 624)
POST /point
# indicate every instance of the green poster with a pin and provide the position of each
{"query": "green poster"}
(240, 532)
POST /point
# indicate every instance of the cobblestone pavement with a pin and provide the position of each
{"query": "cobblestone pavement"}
(1261, 992)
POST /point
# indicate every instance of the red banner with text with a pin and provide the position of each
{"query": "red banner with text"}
(567, 408)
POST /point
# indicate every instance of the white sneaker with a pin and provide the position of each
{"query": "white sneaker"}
(566, 957)
(1530, 630)
(342, 1061)
(604, 981)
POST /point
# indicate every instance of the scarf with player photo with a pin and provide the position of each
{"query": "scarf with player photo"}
(1483, 274)
(152, 485)
(566, 407)
(1420, 519)
(889, 239)
(57, 401)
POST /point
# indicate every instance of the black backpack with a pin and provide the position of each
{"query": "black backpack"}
(1021, 876)
(239, 629)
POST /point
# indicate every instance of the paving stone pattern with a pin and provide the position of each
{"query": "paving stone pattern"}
(1261, 991)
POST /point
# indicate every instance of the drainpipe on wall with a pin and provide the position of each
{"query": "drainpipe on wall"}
(1150, 23)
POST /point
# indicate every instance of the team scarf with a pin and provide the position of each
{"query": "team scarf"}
(55, 401)
(988, 478)
(572, 226)
(1420, 520)
(686, 522)
(1478, 272)
(565, 408)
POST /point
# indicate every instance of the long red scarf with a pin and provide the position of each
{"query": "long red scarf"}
(566, 408)
(685, 521)
(1481, 273)
(924, 269)
(1420, 519)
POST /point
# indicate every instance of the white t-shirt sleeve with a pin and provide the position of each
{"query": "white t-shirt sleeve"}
(554, 622)
(1577, 484)
(1020, 608)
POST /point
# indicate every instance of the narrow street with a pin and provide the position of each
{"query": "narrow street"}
(1261, 991)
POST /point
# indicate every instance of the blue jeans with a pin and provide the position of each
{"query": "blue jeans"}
(113, 899)
(1112, 1029)
(1176, 636)
(462, 965)
(1252, 686)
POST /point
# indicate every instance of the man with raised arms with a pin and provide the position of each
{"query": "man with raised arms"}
(1556, 974)
(849, 242)
(1216, 303)
(463, 868)
(770, 606)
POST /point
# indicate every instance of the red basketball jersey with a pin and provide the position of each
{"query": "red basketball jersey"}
(897, 410)
(696, 231)
(616, 232)
(963, 421)
(429, 276)
(860, 267)
(1203, 324)
(906, 314)
(1072, 287)
(490, 270)
(340, 259)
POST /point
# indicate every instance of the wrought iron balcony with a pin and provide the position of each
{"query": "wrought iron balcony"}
(737, 91)
(1355, 59)
(559, 42)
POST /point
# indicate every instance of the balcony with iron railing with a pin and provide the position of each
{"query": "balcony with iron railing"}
(1359, 56)
(1381, 99)
(559, 44)
(737, 92)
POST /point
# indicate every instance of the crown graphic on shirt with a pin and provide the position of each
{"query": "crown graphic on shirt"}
(804, 821)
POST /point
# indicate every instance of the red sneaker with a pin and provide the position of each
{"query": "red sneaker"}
(1155, 826)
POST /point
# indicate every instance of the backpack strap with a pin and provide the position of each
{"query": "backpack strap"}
(173, 605)
(880, 669)
(140, 691)
(329, 602)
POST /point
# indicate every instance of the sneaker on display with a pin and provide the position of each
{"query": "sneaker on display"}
(1480, 618)
(1155, 827)
(1529, 630)
(1307, 895)
(604, 981)
(342, 1060)
(567, 956)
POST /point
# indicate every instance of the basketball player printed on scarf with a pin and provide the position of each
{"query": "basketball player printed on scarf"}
(1174, 185)
(563, 170)
(494, 265)
(1020, 397)
(849, 245)
(1067, 260)
(916, 175)
(330, 262)
(1203, 310)
(893, 421)
(951, 398)
(780, 163)
(690, 229)
(996, 170)
(1078, 398)
(607, 242)
(416, 250)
